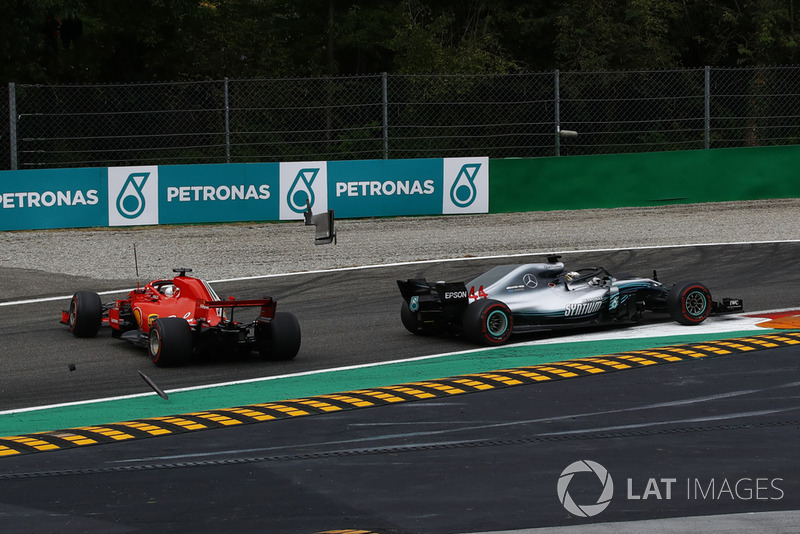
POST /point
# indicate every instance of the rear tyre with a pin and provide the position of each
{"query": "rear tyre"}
(487, 322)
(170, 342)
(85, 314)
(284, 338)
(689, 303)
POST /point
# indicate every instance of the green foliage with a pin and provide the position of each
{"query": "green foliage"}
(173, 40)
(621, 35)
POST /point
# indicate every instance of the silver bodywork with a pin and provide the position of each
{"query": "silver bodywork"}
(545, 293)
(549, 296)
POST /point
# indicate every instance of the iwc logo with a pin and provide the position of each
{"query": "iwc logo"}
(585, 510)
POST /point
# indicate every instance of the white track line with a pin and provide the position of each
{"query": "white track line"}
(400, 264)
(245, 381)
(745, 324)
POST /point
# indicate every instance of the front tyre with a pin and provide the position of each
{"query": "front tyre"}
(689, 303)
(487, 322)
(85, 314)
(284, 338)
(170, 342)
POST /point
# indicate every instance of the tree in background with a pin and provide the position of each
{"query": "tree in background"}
(64, 41)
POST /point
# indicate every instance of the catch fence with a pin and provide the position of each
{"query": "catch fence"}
(398, 116)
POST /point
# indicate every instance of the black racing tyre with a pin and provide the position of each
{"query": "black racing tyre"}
(487, 322)
(85, 314)
(284, 338)
(412, 322)
(170, 342)
(689, 303)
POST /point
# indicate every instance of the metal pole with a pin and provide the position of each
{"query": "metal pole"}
(385, 115)
(557, 112)
(12, 124)
(227, 124)
(707, 126)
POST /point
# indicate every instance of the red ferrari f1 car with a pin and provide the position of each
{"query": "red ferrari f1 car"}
(176, 317)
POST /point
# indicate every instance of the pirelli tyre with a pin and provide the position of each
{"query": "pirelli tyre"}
(170, 342)
(284, 338)
(85, 314)
(487, 322)
(689, 303)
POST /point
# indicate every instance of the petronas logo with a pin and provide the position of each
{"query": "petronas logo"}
(301, 192)
(463, 192)
(130, 201)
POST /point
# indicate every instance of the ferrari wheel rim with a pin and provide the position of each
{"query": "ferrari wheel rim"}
(72, 313)
(155, 342)
(497, 323)
(696, 304)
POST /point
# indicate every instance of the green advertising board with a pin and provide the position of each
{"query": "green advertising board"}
(187, 194)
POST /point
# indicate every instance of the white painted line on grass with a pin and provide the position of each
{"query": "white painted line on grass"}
(245, 381)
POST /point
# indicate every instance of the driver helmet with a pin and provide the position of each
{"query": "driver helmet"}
(570, 276)
(169, 291)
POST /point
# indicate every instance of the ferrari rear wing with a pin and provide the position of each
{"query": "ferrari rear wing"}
(267, 305)
(251, 303)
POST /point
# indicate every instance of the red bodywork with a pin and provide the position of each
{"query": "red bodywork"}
(190, 298)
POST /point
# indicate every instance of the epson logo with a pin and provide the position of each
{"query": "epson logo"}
(449, 295)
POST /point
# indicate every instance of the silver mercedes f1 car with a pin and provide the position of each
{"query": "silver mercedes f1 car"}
(545, 296)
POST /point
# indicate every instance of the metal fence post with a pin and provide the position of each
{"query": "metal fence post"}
(385, 92)
(12, 124)
(227, 124)
(707, 91)
(557, 111)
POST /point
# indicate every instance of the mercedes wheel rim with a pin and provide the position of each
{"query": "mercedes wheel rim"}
(696, 303)
(497, 323)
